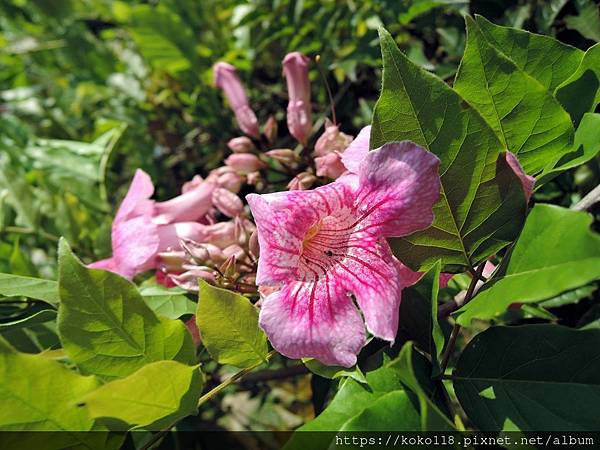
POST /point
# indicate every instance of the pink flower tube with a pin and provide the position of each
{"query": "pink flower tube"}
(226, 78)
(295, 69)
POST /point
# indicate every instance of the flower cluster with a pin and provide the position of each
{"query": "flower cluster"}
(318, 257)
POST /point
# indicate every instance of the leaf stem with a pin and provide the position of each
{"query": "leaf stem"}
(456, 330)
(229, 381)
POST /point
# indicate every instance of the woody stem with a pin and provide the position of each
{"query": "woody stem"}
(456, 330)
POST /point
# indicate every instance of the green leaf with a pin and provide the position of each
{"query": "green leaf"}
(569, 297)
(556, 252)
(392, 411)
(525, 378)
(105, 326)
(529, 121)
(398, 396)
(585, 147)
(544, 58)
(546, 13)
(39, 394)
(418, 316)
(153, 397)
(171, 303)
(163, 38)
(580, 93)
(20, 196)
(482, 206)
(414, 371)
(587, 22)
(37, 288)
(351, 400)
(39, 315)
(334, 372)
(228, 324)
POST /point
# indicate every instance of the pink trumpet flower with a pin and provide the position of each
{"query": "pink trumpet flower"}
(295, 69)
(323, 246)
(226, 78)
(143, 228)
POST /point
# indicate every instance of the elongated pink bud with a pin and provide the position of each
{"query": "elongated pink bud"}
(244, 162)
(242, 144)
(226, 78)
(295, 69)
(227, 202)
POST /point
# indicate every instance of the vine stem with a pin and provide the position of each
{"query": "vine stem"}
(456, 329)
(589, 200)
(208, 396)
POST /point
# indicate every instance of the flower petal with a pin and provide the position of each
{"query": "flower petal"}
(314, 319)
(135, 243)
(398, 186)
(283, 221)
(137, 200)
(357, 150)
(370, 273)
(105, 264)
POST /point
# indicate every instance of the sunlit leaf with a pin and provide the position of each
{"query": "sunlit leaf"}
(105, 326)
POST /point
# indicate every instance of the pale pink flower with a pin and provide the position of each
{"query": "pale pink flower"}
(322, 246)
(226, 78)
(295, 69)
(143, 228)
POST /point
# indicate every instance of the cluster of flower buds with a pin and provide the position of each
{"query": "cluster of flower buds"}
(228, 261)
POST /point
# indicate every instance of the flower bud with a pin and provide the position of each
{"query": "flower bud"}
(234, 250)
(242, 144)
(283, 155)
(189, 280)
(193, 183)
(244, 163)
(270, 129)
(302, 181)
(329, 165)
(295, 69)
(332, 140)
(221, 234)
(253, 178)
(227, 202)
(230, 181)
(229, 267)
(226, 78)
(253, 244)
